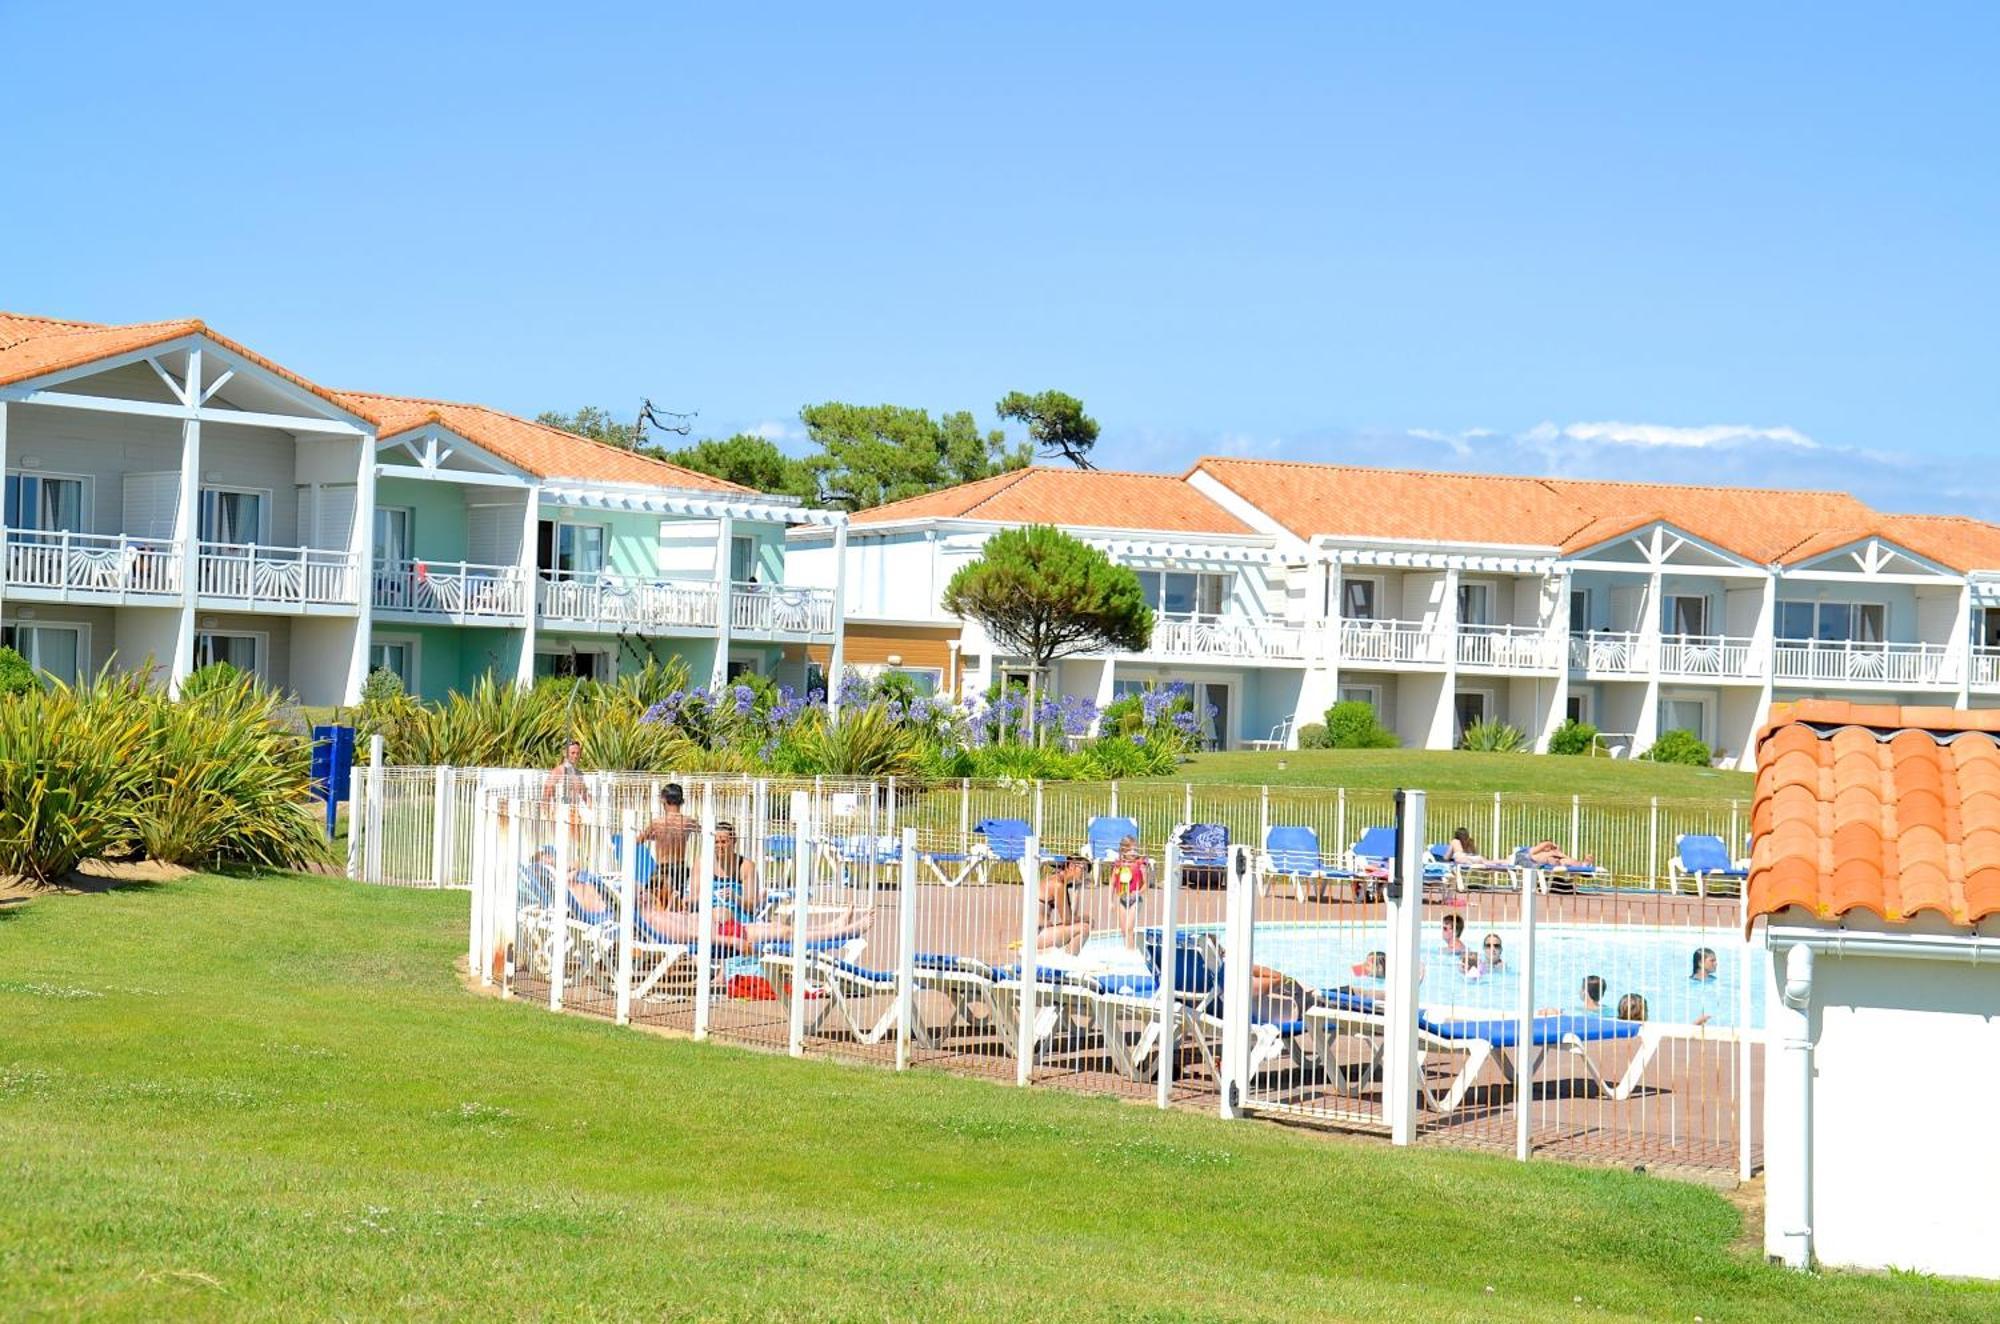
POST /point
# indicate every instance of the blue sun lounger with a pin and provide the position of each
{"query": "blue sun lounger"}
(1491, 1038)
(1292, 851)
(1102, 835)
(1204, 853)
(1705, 860)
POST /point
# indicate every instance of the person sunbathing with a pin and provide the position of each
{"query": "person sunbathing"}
(733, 935)
(1548, 855)
(587, 893)
(1059, 925)
(1462, 851)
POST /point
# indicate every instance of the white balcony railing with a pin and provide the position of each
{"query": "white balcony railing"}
(1986, 666)
(453, 590)
(1506, 648)
(776, 609)
(112, 563)
(1840, 661)
(1200, 635)
(275, 576)
(602, 600)
(1713, 655)
(1609, 653)
(1362, 642)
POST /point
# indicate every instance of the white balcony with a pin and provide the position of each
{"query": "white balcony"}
(774, 609)
(275, 578)
(606, 601)
(600, 600)
(1709, 656)
(1391, 643)
(1986, 667)
(91, 566)
(1610, 653)
(1506, 648)
(452, 591)
(1228, 637)
(1862, 662)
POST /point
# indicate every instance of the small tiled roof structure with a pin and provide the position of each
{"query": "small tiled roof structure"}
(546, 452)
(1346, 500)
(1075, 498)
(1876, 807)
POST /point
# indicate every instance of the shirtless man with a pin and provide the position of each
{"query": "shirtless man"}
(668, 836)
(566, 784)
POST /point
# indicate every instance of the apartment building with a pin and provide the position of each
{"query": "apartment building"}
(174, 499)
(1445, 599)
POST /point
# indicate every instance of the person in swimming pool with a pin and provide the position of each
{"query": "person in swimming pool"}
(1491, 961)
(1452, 926)
(1632, 1007)
(1594, 989)
(1704, 966)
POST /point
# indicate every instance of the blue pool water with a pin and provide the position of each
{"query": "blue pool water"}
(1652, 962)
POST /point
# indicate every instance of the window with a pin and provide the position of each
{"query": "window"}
(1834, 622)
(1125, 686)
(1577, 708)
(585, 663)
(48, 505)
(1687, 614)
(1579, 610)
(738, 667)
(55, 650)
(742, 559)
(241, 651)
(1183, 592)
(1368, 694)
(1469, 707)
(231, 516)
(392, 535)
(1475, 602)
(925, 680)
(1684, 715)
(1989, 627)
(398, 656)
(1357, 599)
(1215, 725)
(570, 550)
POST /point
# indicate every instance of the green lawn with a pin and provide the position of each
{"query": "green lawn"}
(253, 1097)
(1455, 770)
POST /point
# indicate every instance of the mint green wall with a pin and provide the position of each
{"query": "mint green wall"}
(450, 658)
(437, 515)
(770, 550)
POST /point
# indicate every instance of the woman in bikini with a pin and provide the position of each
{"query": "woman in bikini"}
(1059, 925)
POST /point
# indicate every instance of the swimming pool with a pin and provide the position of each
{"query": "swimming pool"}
(1653, 962)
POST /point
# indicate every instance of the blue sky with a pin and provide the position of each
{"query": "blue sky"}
(1688, 242)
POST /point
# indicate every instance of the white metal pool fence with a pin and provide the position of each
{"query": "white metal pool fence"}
(412, 826)
(1289, 981)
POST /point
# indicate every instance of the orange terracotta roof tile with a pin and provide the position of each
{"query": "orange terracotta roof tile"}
(1757, 523)
(544, 451)
(1355, 501)
(1894, 810)
(1074, 498)
(1956, 542)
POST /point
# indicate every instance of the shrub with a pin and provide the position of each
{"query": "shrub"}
(214, 676)
(16, 676)
(382, 686)
(71, 766)
(866, 742)
(1493, 736)
(1573, 737)
(1353, 725)
(1680, 747)
(222, 780)
(1313, 735)
(1113, 758)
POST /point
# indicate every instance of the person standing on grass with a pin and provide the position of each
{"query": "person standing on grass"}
(1128, 887)
(566, 783)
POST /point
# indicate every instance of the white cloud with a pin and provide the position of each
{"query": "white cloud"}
(1713, 436)
(777, 430)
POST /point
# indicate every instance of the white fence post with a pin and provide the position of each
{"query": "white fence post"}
(1406, 907)
(964, 813)
(1187, 802)
(1113, 811)
(1735, 828)
(477, 963)
(441, 826)
(564, 816)
(508, 885)
(1038, 810)
(357, 820)
(1031, 877)
(703, 881)
(627, 895)
(1493, 843)
(1653, 844)
(1170, 1023)
(1263, 816)
(1524, 1039)
(1341, 840)
(1575, 823)
(372, 861)
(1746, 1039)
(906, 943)
(1239, 951)
(803, 848)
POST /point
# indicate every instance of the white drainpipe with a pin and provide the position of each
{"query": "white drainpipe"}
(1797, 994)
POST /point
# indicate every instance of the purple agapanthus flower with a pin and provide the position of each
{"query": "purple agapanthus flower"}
(745, 697)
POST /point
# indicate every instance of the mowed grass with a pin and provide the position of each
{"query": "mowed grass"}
(272, 1097)
(1463, 771)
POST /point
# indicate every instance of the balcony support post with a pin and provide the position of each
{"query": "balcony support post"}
(725, 605)
(528, 564)
(187, 527)
(1959, 651)
(1555, 640)
(1648, 725)
(360, 576)
(837, 655)
(1444, 718)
